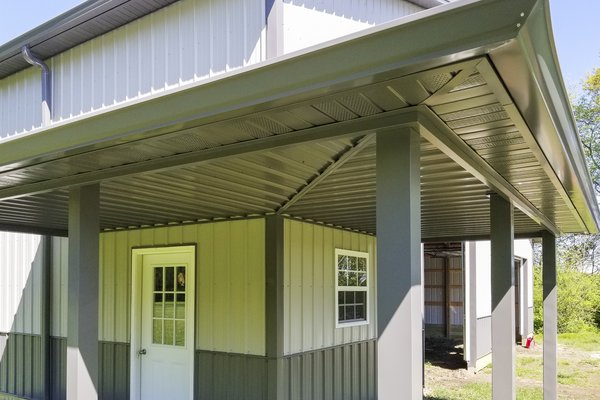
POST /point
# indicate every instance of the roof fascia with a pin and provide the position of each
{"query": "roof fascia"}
(530, 70)
(419, 42)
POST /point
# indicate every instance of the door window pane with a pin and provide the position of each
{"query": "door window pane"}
(168, 336)
(168, 307)
(169, 278)
(179, 333)
(180, 287)
(157, 331)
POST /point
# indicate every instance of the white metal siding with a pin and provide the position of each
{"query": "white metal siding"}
(310, 22)
(230, 287)
(21, 263)
(309, 286)
(184, 43)
(59, 305)
(20, 102)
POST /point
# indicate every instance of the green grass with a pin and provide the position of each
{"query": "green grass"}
(529, 367)
(586, 341)
(478, 391)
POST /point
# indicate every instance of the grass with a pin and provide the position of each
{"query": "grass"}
(586, 341)
(578, 373)
(478, 391)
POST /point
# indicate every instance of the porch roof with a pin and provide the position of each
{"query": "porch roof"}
(295, 135)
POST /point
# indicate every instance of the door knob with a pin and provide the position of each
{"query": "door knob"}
(142, 352)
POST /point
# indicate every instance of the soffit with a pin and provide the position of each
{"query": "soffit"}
(454, 201)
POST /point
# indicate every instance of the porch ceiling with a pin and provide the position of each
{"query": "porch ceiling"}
(310, 156)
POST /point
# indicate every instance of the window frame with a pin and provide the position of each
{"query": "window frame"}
(343, 252)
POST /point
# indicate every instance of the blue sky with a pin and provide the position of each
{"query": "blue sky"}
(575, 23)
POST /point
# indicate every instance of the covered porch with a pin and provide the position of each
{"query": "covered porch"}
(402, 132)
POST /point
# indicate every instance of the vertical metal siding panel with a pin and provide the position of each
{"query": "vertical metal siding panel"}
(108, 289)
(121, 62)
(235, 34)
(64, 294)
(318, 323)
(76, 82)
(287, 304)
(38, 265)
(172, 45)
(108, 63)
(186, 37)
(202, 47)
(306, 283)
(338, 243)
(238, 278)
(329, 331)
(133, 60)
(222, 283)
(123, 285)
(158, 52)
(87, 68)
(218, 48)
(205, 287)
(255, 294)
(296, 286)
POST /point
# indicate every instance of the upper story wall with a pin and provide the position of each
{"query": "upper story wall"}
(184, 43)
(310, 22)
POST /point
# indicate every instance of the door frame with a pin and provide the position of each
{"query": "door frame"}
(137, 255)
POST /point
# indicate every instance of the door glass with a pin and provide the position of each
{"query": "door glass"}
(168, 313)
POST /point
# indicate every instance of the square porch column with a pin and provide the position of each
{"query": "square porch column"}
(399, 309)
(503, 299)
(82, 336)
(550, 314)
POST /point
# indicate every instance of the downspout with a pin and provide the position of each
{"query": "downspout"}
(46, 84)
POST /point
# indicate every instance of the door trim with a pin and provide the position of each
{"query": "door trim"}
(136, 312)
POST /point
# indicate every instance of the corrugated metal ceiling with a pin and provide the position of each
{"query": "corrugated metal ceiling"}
(454, 202)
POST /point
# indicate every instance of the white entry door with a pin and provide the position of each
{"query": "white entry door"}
(165, 351)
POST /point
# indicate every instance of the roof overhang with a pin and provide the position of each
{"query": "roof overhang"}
(507, 42)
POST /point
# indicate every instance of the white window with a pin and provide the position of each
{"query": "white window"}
(352, 287)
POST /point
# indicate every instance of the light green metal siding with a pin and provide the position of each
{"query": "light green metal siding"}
(230, 287)
(21, 262)
(60, 260)
(309, 286)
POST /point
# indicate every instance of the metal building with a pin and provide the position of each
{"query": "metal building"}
(234, 193)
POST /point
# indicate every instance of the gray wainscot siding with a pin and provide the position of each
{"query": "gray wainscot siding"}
(21, 365)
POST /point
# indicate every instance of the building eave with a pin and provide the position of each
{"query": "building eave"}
(78, 25)
(530, 70)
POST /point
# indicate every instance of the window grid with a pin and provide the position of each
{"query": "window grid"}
(168, 314)
(352, 287)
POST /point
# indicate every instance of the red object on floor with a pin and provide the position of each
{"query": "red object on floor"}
(530, 342)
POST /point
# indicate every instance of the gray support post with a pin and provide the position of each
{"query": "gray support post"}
(399, 321)
(471, 281)
(274, 16)
(524, 288)
(82, 339)
(274, 306)
(503, 299)
(550, 314)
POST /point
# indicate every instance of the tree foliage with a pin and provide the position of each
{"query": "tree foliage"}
(578, 270)
(578, 300)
